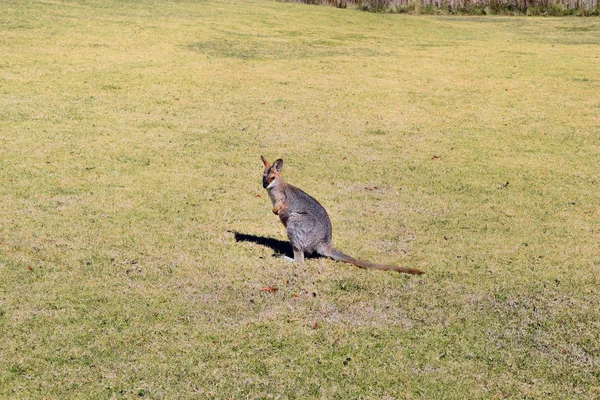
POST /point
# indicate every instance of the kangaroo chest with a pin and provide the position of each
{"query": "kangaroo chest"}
(279, 200)
(277, 197)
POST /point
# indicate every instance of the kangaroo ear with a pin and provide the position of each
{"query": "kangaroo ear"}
(278, 165)
(265, 162)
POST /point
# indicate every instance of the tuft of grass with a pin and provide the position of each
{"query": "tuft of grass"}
(135, 236)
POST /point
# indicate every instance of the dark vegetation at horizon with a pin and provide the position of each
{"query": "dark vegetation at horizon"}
(557, 8)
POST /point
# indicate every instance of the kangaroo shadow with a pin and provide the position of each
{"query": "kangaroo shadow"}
(280, 247)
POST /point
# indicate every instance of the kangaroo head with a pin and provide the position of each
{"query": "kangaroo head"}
(272, 174)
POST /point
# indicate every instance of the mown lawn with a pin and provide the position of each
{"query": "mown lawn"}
(135, 236)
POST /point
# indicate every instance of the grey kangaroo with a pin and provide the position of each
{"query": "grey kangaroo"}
(307, 223)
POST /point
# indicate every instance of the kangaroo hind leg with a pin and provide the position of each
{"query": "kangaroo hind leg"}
(299, 256)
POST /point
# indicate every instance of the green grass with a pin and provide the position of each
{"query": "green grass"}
(130, 136)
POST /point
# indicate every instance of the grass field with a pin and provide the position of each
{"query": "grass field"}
(135, 235)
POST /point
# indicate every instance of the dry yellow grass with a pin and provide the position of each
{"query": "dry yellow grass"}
(130, 136)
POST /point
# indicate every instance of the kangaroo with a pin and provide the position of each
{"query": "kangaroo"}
(306, 221)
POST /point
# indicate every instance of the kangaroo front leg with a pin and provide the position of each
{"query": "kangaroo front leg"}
(299, 256)
(278, 208)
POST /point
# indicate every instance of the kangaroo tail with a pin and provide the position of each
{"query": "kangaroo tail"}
(330, 251)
